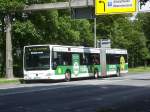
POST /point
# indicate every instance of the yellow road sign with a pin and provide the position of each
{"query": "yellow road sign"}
(115, 6)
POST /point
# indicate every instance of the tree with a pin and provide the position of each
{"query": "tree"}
(124, 34)
(145, 55)
(144, 20)
(7, 8)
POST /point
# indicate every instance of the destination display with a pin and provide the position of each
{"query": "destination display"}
(119, 3)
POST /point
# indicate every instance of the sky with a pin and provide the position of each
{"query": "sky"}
(146, 7)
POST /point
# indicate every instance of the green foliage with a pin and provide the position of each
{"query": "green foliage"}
(145, 53)
(144, 19)
(28, 2)
(84, 28)
(25, 33)
(11, 5)
(74, 32)
(127, 34)
(46, 24)
(67, 33)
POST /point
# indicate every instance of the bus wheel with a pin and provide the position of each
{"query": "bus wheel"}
(67, 76)
(96, 76)
(118, 72)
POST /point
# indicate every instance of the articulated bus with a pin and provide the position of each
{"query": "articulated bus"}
(67, 62)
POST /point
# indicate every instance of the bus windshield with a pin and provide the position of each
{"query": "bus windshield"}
(37, 58)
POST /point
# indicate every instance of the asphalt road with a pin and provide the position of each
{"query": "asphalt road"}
(129, 93)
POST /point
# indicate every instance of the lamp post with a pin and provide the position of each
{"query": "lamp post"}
(95, 33)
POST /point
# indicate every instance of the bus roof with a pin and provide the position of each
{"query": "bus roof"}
(116, 51)
(76, 49)
(67, 48)
(51, 45)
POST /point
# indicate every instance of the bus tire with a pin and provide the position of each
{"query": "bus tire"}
(67, 76)
(96, 75)
(118, 72)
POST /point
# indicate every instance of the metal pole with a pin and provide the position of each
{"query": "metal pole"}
(95, 32)
(9, 60)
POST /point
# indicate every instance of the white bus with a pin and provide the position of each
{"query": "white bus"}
(67, 62)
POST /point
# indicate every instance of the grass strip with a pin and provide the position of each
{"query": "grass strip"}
(9, 81)
(139, 69)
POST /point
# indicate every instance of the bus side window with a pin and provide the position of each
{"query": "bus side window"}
(55, 63)
(66, 58)
(96, 58)
(65, 61)
(87, 59)
(54, 60)
(57, 58)
(82, 59)
(93, 59)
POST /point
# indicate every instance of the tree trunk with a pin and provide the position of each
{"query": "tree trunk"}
(3, 70)
(9, 60)
(145, 63)
(132, 62)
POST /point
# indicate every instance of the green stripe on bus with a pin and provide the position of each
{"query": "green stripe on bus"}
(82, 69)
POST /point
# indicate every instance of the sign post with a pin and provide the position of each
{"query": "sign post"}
(115, 6)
